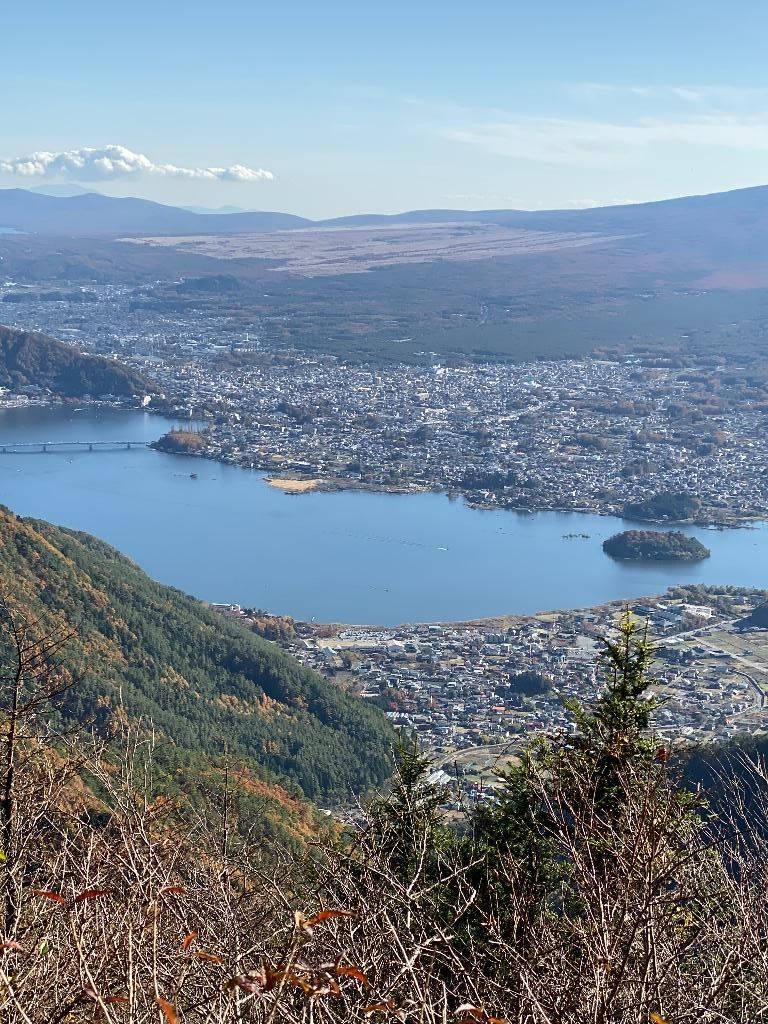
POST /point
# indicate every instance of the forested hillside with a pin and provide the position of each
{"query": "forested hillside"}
(28, 358)
(205, 683)
(594, 888)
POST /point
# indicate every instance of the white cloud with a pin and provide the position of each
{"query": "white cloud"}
(112, 162)
(604, 143)
(718, 95)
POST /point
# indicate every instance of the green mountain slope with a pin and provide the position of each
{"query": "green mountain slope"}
(206, 683)
(28, 358)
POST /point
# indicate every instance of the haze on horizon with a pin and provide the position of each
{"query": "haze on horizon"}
(325, 111)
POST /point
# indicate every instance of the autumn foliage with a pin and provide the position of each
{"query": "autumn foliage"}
(595, 889)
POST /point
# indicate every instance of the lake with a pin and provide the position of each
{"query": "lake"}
(340, 557)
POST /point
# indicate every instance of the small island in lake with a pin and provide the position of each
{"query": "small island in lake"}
(655, 546)
(180, 442)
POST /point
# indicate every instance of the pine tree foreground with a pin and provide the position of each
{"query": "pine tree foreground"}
(596, 890)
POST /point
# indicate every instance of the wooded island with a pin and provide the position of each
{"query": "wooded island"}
(655, 546)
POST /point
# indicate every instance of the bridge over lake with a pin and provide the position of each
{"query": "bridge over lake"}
(59, 447)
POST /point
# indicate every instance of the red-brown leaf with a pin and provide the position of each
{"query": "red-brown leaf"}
(47, 894)
(326, 915)
(477, 1013)
(12, 945)
(117, 999)
(188, 940)
(353, 972)
(90, 894)
(169, 1013)
(173, 888)
(208, 957)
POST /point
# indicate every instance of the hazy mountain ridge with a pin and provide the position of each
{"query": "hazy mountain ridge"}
(97, 214)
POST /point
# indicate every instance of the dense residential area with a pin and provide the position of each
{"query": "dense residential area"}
(476, 692)
(582, 434)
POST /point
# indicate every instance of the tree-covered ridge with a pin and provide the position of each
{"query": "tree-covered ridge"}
(180, 442)
(654, 545)
(31, 359)
(206, 683)
(674, 506)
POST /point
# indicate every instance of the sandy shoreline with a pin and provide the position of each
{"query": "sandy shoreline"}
(293, 486)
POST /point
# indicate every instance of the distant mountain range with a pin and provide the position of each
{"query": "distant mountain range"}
(68, 191)
(208, 210)
(738, 215)
(93, 214)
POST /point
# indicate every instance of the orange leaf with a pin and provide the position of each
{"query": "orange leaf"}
(12, 945)
(55, 896)
(188, 940)
(208, 957)
(168, 1011)
(90, 894)
(326, 915)
(656, 1018)
(353, 972)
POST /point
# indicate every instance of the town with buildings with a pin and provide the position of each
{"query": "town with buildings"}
(475, 693)
(581, 434)
(588, 434)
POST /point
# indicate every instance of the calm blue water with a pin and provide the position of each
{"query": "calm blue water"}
(346, 557)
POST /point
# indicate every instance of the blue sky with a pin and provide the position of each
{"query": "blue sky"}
(337, 107)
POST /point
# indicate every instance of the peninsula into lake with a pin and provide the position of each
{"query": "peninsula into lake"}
(180, 442)
(655, 546)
